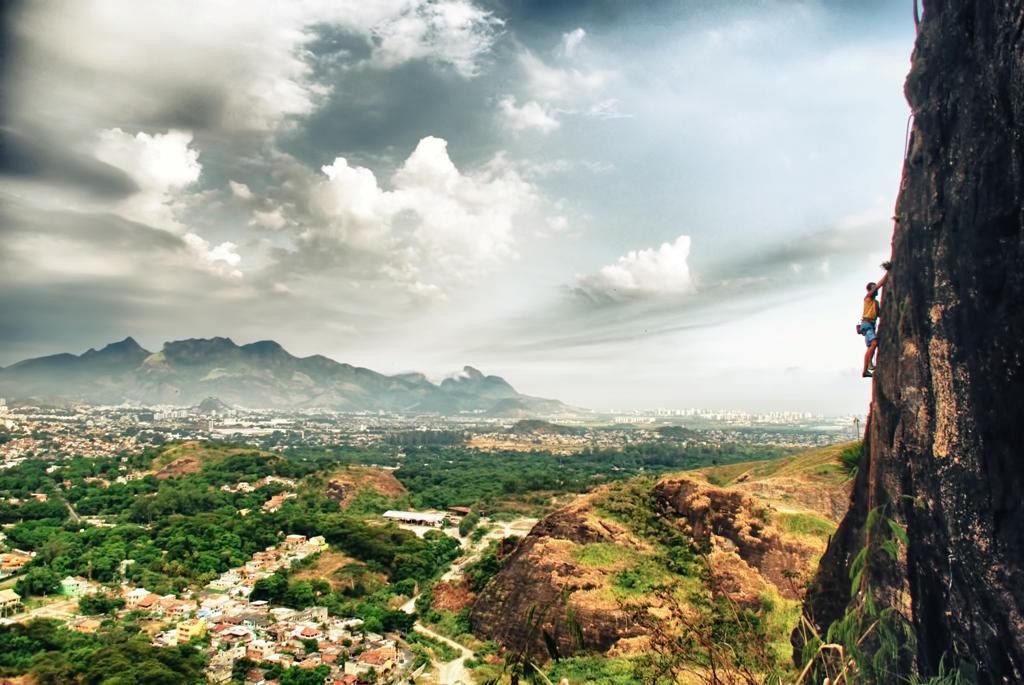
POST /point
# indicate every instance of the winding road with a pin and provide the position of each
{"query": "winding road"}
(451, 672)
(455, 672)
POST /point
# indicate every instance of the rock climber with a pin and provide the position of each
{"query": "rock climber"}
(868, 326)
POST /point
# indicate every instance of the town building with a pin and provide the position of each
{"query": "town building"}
(416, 518)
(192, 629)
(77, 586)
(10, 602)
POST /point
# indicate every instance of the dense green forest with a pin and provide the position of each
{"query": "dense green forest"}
(117, 654)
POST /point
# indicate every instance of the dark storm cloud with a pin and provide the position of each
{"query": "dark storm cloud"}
(39, 158)
(785, 260)
(370, 112)
(109, 230)
(195, 107)
(550, 14)
(541, 12)
(68, 317)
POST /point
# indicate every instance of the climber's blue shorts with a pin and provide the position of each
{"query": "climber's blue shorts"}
(867, 329)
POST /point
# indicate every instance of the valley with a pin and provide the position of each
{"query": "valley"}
(583, 567)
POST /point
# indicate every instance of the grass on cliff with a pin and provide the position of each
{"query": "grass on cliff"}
(800, 523)
(824, 464)
(601, 554)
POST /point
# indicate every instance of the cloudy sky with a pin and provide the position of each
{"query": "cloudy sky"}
(618, 203)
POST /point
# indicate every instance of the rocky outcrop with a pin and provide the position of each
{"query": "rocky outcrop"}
(542, 578)
(942, 456)
(452, 597)
(748, 552)
(344, 486)
(182, 466)
(551, 573)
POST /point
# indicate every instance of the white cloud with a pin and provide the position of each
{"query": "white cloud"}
(121, 62)
(222, 260)
(558, 223)
(572, 40)
(466, 220)
(273, 219)
(449, 31)
(436, 223)
(607, 109)
(240, 190)
(645, 273)
(532, 115)
(351, 209)
(550, 83)
(162, 165)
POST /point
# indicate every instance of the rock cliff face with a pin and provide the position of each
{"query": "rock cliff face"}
(943, 451)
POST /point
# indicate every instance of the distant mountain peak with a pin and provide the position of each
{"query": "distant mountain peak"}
(129, 344)
(471, 372)
(216, 374)
(265, 348)
(213, 405)
(198, 349)
(127, 352)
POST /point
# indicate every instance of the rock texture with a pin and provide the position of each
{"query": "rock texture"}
(747, 554)
(345, 486)
(943, 450)
(541, 574)
(752, 553)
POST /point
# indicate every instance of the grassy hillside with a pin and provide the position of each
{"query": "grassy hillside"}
(202, 452)
(817, 466)
(815, 483)
(649, 567)
(365, 489)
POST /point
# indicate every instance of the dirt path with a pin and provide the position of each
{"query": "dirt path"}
(71, 510)
(62, 610)
(452, 672)
(455, 672)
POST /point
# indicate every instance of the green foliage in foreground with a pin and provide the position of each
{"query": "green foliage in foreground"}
(873, 643)
(117, 655)
(850, 458)
(598, 670)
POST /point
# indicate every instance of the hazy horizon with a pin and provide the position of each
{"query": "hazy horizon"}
(616, 205)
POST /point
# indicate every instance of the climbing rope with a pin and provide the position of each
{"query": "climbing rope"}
(906, 142)
(903, 167)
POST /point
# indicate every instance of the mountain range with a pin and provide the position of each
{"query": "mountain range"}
(258, 375)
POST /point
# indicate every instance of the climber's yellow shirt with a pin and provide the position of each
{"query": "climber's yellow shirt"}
(870, 309)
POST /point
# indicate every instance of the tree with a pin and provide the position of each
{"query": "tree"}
(305, 676)
(38, 581)
(99, 604)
